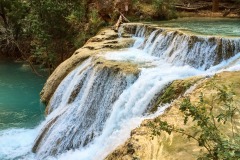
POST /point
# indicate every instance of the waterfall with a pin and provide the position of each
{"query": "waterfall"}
(185, 49)
(99, 102)
(81, 104)
(106, 102)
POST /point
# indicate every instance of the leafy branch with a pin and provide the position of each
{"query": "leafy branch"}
(209, 117)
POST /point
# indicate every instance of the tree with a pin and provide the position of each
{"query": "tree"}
(12, 13)
(48, 31)
(215, 6)
(3, 13)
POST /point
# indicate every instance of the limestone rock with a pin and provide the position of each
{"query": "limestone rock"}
(107, 39)
(142, 145)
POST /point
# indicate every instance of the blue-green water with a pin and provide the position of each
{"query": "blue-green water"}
(20, 106)
(206, 26)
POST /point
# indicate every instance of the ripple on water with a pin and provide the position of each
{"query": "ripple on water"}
(19, 96)
(206, 26)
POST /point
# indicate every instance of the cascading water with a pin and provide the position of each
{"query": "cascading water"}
(96, 106)
(81, 104)
(181, 49)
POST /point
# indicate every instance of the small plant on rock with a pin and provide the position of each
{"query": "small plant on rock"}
(215, 123)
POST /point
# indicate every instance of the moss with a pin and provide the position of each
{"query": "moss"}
(176, 146)
(173, 91)
(124, 67)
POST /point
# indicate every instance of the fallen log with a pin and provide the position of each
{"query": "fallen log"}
(119, 22)
(196, 9)
(192, 9)
(121, 19)
(226, 12)
(124, 18)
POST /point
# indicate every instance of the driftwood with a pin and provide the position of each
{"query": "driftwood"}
(226, 12)
(187, 8)
(11, 43)
(124, 18)
(119, 22)
(121, 19)
(192, 9)
(25, 58)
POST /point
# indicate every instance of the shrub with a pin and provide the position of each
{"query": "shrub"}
(211, 116)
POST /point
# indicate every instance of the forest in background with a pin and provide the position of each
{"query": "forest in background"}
(47, 32)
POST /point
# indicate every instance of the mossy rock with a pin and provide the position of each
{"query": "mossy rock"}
(173, 91)
(125, 67)
(176, 146)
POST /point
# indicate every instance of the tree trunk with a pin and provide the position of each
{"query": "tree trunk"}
(3, 15)
(215, 5)
(119, 22)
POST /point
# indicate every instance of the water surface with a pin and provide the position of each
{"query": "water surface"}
(206, 26)
(20, 106)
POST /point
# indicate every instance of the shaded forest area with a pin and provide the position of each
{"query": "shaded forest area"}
(46, 32)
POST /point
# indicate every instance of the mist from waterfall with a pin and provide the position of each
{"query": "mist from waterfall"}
(95, 108)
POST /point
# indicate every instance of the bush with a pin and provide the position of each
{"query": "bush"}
(164, 9)
(211, 116)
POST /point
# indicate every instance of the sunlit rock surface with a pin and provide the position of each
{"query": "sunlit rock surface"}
(143, 145)
(107, 39)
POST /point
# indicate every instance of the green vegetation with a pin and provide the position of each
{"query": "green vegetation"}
(47, 32)
(124, 67)
(173, 91)
(154, 9)
(215, 120)
(165, 8)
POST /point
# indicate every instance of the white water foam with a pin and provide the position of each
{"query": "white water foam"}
(17, 143)
(128, 110)
(182, 49)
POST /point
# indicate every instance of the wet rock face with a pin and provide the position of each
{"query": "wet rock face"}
(143, 145)
(76, 103)
(106, 40)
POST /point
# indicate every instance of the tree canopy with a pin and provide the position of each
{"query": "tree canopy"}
(47, 32)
